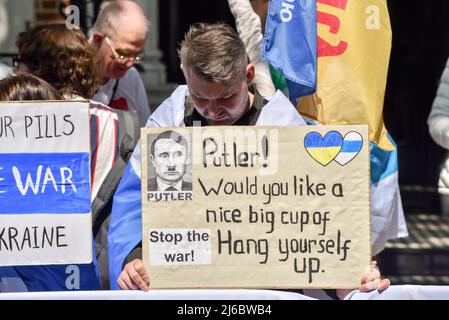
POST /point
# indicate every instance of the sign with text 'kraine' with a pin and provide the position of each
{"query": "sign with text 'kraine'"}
(256, 207)
(44, 183)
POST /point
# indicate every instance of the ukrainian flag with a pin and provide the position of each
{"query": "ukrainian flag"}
(290, 23)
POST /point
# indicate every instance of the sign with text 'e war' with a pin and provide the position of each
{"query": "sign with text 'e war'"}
(45, 213)
(256, 207)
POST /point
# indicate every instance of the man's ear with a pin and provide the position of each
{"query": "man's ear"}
(96, 39)
(152, 160)
(250, 71)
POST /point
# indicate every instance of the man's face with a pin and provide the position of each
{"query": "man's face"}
(123, 42)
(169, 160)
(218, 103)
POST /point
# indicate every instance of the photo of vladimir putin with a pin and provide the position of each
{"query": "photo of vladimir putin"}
(169, 157)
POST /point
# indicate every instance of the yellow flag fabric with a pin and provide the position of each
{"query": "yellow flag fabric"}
(354, 43)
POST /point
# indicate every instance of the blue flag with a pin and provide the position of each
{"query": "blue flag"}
(289, 44)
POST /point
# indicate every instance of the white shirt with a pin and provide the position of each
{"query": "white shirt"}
(130, 95)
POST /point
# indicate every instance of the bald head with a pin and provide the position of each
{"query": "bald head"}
(123, 16)
(120, 31)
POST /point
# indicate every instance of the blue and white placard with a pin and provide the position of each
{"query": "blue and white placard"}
(45, 215)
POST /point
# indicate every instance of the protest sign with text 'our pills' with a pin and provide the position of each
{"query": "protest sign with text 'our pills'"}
(45, 213)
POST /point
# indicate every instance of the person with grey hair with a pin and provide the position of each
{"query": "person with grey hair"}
(219, 91)
(118, 38)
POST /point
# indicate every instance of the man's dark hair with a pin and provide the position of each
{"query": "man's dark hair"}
(172, 135)
(25, 86)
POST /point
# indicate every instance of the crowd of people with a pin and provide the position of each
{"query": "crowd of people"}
(227, 83)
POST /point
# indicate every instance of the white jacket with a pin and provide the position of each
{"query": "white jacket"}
(249, 28)
(438, 123)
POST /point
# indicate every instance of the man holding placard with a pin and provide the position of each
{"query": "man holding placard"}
(218, 92)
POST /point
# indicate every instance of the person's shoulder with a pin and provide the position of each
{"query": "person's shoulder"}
(101, 110)
(280, 111)
(131, 75)
(131, 84)
(105, 87)
(93, 104)
(174, 103)
(171, 112)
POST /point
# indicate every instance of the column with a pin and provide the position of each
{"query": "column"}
(14, 18)
(155, 73)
